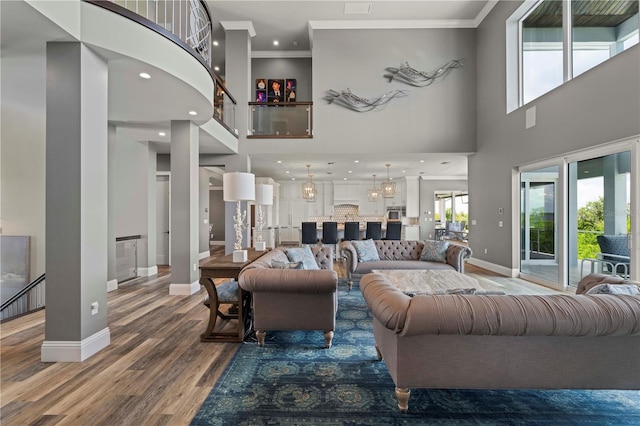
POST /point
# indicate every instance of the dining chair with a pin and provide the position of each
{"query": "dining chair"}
(330, 235)
(394, 231)
(374, 231)
(351, 231)
(309, 233)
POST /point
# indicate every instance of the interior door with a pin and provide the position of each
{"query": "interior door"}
(163, 248)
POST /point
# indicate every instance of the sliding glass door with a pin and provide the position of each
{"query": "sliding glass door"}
(599, 216)
(539, 224)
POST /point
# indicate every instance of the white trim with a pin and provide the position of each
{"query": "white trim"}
(184, 289)
(499, 269)
(74, 351)
(112, 285)
(392, 24)
(204, 254)
(443, 177)
(147, 272)
(239, 25)
(281, 54)
(216, 243)
(485, 12)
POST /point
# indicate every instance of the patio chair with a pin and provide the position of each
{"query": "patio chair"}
(614, 254)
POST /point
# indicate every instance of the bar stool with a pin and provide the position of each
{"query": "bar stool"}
(351, 231)
(309, 233)
(330, 235)
(394, 231)
(374, 231)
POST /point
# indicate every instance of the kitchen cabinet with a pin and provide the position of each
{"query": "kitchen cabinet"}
(412, 193)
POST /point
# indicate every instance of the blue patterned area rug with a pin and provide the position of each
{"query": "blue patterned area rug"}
(294, 381)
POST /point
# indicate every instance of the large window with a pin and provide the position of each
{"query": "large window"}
(552, 52)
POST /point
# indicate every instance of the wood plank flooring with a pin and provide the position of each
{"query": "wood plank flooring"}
(155, 372)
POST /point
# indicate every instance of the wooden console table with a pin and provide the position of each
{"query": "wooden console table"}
(224, 267)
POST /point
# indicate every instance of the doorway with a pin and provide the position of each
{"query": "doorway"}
(163, 219)
(539, 224)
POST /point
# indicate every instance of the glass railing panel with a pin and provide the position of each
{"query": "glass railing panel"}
(281, 120)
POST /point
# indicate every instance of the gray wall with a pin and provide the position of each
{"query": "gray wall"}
(132, 192)
(285, 68)
(164, 163)
(23, 143)
(599, 106)
(438, 118)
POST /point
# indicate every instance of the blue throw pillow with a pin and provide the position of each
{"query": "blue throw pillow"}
(435, 251)
(367, 251)
(304, 255)
(276, 264)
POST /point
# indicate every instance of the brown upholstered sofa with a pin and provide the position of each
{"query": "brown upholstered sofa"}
(400, 254)
(291, 299)
(504, 342)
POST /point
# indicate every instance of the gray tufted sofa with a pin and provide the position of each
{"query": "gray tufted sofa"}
(558, 341)
(400, 254)
(292, 299)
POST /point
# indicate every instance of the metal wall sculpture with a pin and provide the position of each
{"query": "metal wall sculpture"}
(356, 103)
(413, 77)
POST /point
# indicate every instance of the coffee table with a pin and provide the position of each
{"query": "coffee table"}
(432, 281)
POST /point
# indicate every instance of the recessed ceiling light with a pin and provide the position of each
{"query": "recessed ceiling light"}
(293, 178)
(275, 42)
(193, 113)
(422, 161)
(215, 42)
(356, 161)
(344, 178)
(162, 134)
(145, 75)
(404, 171)
(216, 68)
(350, 171)
(279, 161)
(287, 172)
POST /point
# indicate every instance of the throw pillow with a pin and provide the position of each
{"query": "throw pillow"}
(435, 251)
(304, 255)
(276, 264)
(367, 251)
(614, 289)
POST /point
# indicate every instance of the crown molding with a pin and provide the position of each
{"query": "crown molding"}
(239, 25)
(281, 54)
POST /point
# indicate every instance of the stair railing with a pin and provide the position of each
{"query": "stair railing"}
(28, 299)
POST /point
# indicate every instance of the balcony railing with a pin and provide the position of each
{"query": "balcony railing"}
(281, 120)
(188, 24)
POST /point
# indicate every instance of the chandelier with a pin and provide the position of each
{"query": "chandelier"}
(374, 193)
(309, 188)
(388, 187)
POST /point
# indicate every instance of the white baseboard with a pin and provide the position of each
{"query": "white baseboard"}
(73, 351)
(204, 254)
(112, 285)
(499, 269)
(147, 272)
(184, 289)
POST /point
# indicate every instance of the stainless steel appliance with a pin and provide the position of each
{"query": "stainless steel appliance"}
(396, 213)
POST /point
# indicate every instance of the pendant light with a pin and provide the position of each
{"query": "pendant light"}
(309, 188)
(374, 193)
(388, 187)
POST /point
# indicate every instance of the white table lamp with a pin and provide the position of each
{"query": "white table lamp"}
(239, 186)
(264, 197)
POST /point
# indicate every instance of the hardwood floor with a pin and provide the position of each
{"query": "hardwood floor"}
(155, 372)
